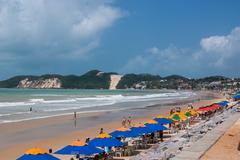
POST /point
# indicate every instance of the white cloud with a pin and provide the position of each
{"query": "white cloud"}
(153, 50)
(155, 60)
(53, 27)
(217, 55)
(100, 19)
(223, 47)
(228, 44)
(51, 33)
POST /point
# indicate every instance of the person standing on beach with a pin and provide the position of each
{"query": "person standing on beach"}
(124, 121)
(75, 115)
(101, 131)
(129, 121)
(75, 119)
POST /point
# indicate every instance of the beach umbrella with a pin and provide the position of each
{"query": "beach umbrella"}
(141, 129)
(215, 106)
(79, 147)
(163, 120)
(209, 108)
(175, 117)
(188, 114)
(160, 116)
(37, 154)
(178, 116)
(123, 133)
(154, 126)
(182, 116)
(105, 140)
(193, 112)
(223, 103)
(237, 97)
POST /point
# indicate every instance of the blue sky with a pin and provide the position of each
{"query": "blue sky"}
(192, 38)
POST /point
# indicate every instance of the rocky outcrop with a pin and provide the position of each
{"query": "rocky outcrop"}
(114, 81)
(40, 83)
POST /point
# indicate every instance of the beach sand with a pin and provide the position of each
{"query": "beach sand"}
(227, 146)
(57, 132)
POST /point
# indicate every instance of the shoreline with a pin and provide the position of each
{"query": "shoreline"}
(17, 137)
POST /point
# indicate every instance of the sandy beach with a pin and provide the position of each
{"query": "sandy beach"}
(227, 147)
(56, 132)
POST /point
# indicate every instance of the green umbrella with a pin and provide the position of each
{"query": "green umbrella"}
(188, 114)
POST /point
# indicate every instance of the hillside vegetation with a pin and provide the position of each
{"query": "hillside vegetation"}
(96, 79)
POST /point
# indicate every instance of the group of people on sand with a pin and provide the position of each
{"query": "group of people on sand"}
(178, 109)
(127, 122)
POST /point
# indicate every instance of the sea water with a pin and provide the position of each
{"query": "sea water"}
(15, 104)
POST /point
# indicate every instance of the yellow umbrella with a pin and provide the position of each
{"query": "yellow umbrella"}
(182, 116)
(152, 122)
(160, 116)
(178, 116)
(123, 129)
(193, 112)
(103, 135)
(36, 151)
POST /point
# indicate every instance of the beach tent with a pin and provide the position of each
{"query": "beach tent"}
(37, 154)
(154, 126)
(79, 147)
(141, 129)
(163, 120)
(124, 133)
(105, 140)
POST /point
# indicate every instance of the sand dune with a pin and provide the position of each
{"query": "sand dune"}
(114, 81)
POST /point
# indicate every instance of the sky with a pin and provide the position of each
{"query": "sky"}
(193, 38)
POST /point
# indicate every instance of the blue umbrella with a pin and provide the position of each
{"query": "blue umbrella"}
(163, 120)
(237, 97)
(123, 133)
(37, 154)
(105, 140)
(79, 147)
(141, 129)
(154, 126)
(223, 103)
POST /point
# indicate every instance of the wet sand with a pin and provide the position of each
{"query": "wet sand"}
(56, 132)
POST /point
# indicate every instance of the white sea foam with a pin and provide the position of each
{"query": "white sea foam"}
(59, 101)
(78, 107)
(11, 104)
(56, 115)
(14, 113)
(101, 99)
(36, 100)
(50, 106)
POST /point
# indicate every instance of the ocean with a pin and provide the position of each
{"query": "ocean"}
(15, 104)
